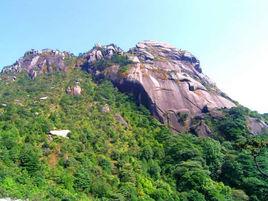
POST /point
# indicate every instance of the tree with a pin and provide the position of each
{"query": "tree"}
(29, 159)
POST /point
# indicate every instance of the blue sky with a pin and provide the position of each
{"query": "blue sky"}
(230, 37)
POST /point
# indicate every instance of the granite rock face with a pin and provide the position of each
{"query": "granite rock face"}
(167, 80)
(99, 52)
(38, 62)
(256, 126)
(201, 129)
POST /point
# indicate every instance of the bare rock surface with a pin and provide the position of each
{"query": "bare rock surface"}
(105, 109)
(74, 90)
(201, 129)
(256, 126)
(99, 52)
(77, 90)
(167, 80)
(121, 120)
(38, 62)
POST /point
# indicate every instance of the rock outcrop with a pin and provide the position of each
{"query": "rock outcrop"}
(256, 126)
(99, 52)
(38, 62)
(75, 90)
(167, 80)
(121, 120)
(201, 129)
(105, 109)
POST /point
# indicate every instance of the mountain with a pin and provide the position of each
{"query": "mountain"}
(167, 80)
(104, 126)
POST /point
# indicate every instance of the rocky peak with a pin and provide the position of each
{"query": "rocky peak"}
(99, 52)
(36, 62)
(153, 50)
(176, 60)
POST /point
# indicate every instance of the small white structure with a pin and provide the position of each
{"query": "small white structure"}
(43, 98)
(8, 199)
(61, 133)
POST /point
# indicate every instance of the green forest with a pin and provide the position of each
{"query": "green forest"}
(122, 153)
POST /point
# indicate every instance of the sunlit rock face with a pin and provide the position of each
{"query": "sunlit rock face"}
(99, 52)
(174, 83)
(256, 126)
(38, 62)
(167, 80)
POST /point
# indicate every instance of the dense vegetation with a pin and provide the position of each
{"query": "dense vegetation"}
(105, 159)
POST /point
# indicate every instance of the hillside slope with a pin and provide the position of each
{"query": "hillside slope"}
(115, 149)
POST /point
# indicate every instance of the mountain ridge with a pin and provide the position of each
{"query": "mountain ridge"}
(167, 80)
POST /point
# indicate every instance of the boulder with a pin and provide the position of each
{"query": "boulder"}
(201, 129)
(99, 52)
(216, 114)
(133, 59)
(69, 90)
(77, 90)
(121, 120)
(105, 108)
(256, 126)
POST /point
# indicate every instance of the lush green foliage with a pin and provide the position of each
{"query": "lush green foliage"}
(232, 126)
(105, 160)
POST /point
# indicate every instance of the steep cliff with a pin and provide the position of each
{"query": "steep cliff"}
(167, 80)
